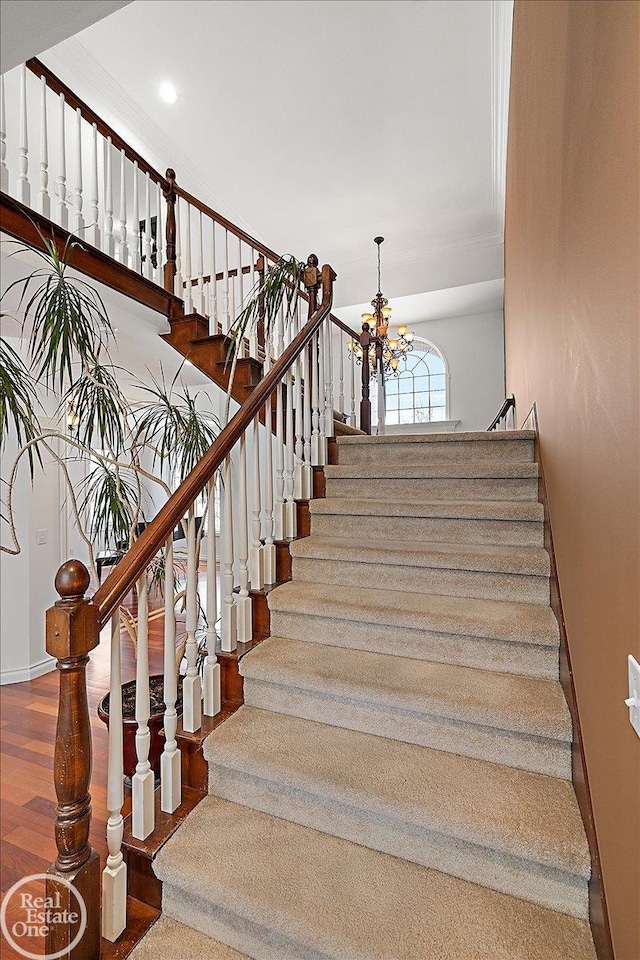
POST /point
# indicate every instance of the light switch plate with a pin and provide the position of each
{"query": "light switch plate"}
(41, 537)
(634, 694)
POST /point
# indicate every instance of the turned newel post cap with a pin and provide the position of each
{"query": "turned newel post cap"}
(72, 580)
(312, 260)
(170, 174)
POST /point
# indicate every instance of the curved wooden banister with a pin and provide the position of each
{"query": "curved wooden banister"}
(135, 561)
(59, 86)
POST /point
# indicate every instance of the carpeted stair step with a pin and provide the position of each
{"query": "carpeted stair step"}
(519, 523)
(484, 480)
(478, 821)
(170, 940)
(275, 890)
(517, 638)
(519, 721)
(511, 445)
(490, 572)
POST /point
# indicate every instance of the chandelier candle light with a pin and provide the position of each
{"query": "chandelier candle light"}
(384, 359)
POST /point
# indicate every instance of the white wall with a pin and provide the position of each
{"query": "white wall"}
(27, 579)
(473, 346)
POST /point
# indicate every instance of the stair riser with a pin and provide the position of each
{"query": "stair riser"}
(435, 452)
(523, 659)
(452, 583)
(541, 755)
(380, 830)
(434, 489)
(522, 533)
(237, 930)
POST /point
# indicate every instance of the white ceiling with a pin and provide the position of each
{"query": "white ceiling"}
(30, 26)
(319, 125)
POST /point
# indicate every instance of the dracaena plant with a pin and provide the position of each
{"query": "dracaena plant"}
(67, 332)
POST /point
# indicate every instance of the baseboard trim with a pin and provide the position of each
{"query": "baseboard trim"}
(28, 673)
(598, 912)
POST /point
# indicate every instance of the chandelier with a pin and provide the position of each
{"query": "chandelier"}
(388, 351)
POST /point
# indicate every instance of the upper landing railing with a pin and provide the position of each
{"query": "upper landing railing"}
(59, 158)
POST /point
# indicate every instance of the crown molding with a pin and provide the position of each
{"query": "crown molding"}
(501, 32)
(79, 68)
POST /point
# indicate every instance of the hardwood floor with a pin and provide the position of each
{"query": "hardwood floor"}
(27, 734)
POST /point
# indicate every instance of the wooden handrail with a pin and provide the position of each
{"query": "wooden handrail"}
(502, 412)
(60, 87)
(250, 241)
(135, 561)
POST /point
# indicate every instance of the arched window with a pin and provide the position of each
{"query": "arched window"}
(419, 392)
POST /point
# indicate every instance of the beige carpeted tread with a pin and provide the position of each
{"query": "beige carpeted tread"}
(520, 721)
(475, 470)
(438, 488)
(442, 509)
(493, 558)
(170, 940)
(511, 622)
(415, 567)
(337, 517)
(479, 821)
(512, 445)
(517, 638)
(279, 891)
(508, 437)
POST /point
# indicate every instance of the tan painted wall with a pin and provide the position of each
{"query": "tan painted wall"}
(572, 347)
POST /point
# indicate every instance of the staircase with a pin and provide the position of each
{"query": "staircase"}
(397, 784)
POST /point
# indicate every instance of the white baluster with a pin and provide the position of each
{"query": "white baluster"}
(211, 679)
(226, 322)
(79, 219)
(61, 182)
(4, 170)
(381, 403)
(316, 458)
(322, 399)
(290, 524)
(307, 471)
(191, 685)
(178, 286)
(341, 350)
(256, 555)
(108, 238)
(229, 639)
(142, 782)
(148, 246)
(352, 389)
(279, 519)
(245, 630)
(188, 289)
(328, 373)
(159, 268)
(298, 475)
(93, 233)
(269, 549)
(170, 760)
(114, 875)
(137, 235)
(213, 285)
(254, 343)
(24, 187)
(44, 200)
(201, 306)
(123, 246)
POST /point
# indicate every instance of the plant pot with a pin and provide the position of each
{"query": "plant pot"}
(129, 723)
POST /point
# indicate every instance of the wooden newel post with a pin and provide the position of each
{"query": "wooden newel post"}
(312, 281)
(170, 195)
(74, 878)
(365, 403)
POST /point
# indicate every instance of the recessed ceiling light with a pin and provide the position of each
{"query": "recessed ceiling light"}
(168, 92)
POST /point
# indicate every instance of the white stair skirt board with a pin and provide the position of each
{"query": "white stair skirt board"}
(386, 790)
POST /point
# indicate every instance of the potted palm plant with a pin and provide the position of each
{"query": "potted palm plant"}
(124, 445)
